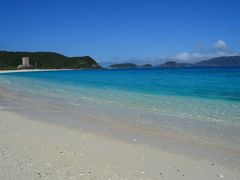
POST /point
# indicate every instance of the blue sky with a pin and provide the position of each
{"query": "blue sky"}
(123, 30)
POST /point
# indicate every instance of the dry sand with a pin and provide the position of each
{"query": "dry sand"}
(30, 70)
(36, 150)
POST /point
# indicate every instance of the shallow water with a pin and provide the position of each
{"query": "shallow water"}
(195, 104)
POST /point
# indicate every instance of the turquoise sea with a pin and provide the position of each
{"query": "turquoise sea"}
(194, 102)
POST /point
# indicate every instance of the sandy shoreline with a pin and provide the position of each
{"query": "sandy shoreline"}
(31, 70)
(33, 150)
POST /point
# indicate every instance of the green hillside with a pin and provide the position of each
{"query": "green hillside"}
(49, 60)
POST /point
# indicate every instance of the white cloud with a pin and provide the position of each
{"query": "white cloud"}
(194, 57)
(184, 56)
(220, 48)
(197, 55)
(188, 57)
(220, 44)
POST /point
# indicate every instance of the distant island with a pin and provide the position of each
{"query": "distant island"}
(129, 65)
(230, 61)
(46, 60)
(146, 66)
(174, 64)
(123, 65)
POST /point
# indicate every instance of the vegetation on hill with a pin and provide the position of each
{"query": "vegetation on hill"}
(146, 66)
(173, 64)
(123, 65)
(45, 60)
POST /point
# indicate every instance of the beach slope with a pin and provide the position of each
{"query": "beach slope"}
(36, 150)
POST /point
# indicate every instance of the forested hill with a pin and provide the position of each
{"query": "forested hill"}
(49, 60)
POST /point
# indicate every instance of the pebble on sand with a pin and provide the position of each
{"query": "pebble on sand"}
(220, 175)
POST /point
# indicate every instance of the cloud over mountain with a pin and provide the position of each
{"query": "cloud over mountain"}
(220, 44)
(219, 48)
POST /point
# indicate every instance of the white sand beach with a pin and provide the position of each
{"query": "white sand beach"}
(32, 149)
(30, 70)
(120, 90)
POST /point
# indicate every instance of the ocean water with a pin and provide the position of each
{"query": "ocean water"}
(196, 102)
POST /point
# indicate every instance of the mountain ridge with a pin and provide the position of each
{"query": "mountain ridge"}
(224, 61)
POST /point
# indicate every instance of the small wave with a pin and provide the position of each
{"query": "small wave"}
(74, 104)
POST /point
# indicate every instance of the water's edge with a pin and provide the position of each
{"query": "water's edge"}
(91, 120)
(185, 111)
